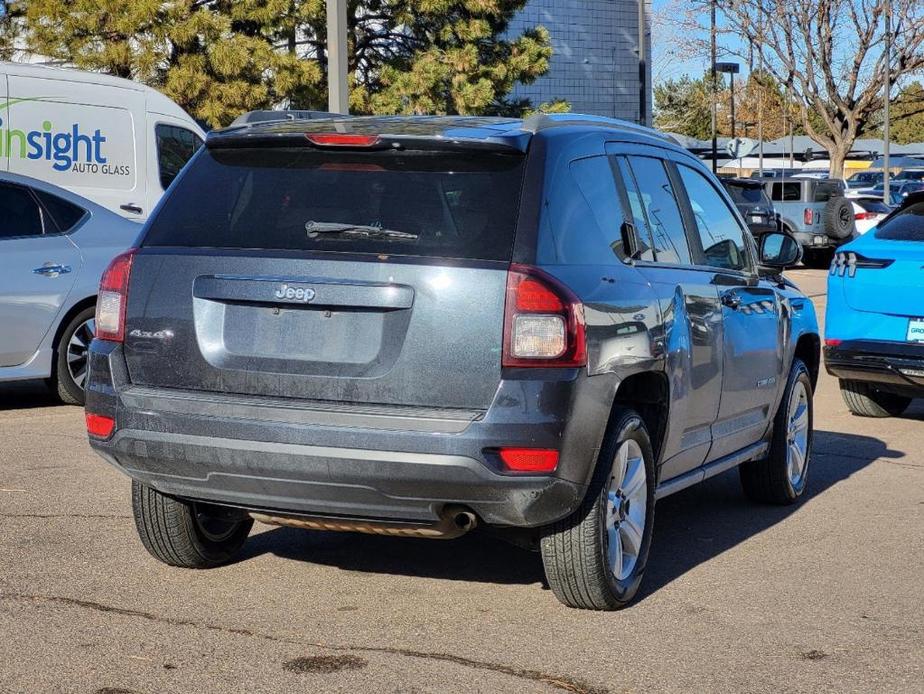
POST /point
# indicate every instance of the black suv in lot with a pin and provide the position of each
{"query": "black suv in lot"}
(413, 326)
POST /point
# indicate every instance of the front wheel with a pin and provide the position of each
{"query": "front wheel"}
(595, 558)
(187, 534)
(781, 477)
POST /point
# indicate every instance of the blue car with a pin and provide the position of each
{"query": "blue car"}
(874, 335)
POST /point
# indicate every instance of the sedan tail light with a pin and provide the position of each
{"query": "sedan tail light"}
(847, 263)
(113, 297)
(543, 321)
(865, 215)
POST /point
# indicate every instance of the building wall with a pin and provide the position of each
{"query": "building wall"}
(595, 55)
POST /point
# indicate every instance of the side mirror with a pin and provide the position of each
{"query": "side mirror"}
(779, 251)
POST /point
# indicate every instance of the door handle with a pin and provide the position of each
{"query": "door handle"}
(731, 300)
(52, 270)
(131, 207)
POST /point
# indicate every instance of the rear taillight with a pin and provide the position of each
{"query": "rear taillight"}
(860, 216)
(99, 426)
(808, 216)
(543, 321)
(847, 263)
(113, 297)
(832, 342)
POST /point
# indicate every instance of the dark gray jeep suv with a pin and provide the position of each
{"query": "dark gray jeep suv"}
(413, 326)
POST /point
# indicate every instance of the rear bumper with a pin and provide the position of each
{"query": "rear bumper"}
(898, 365)
(347, 462)
(816, 239)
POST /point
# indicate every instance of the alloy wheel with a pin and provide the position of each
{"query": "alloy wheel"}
(626, 502)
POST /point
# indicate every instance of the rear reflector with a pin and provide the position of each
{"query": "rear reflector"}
(529, 459)
(100, 427)
(341, 140)
(113, 297)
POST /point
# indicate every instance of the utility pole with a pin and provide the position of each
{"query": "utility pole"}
(733, 133)
(642, 67)
(760, 86)
(712, 72)
(338, 94)
(886, 197)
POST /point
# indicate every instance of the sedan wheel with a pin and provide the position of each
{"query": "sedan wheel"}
(78, 351)
(72, 358)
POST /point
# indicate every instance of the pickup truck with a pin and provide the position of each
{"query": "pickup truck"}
(816, 213)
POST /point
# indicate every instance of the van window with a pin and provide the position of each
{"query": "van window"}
(661, 210)
(64, 214)
(19, 213)
(449, 205)
(595, 179)
(636, 209)
(721, 236)
(175, 147)
(787, 192)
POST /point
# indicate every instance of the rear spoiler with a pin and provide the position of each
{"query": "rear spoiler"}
(340, 137)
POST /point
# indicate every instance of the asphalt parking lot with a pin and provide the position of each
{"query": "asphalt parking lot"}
(822, 596)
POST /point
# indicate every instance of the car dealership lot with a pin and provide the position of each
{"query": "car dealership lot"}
(822, 596)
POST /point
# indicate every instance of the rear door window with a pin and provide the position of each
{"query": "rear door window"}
(432, 204)
(19, 213)
(175, 147)
(661, 210)
(64, 214)
(905, 225)
(636, 208)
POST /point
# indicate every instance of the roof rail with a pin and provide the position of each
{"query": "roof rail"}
(543, 121)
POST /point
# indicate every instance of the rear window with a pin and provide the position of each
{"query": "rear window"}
(876, 206)
(825, 190)
(396, 203)
(906, 225)
(747, 195)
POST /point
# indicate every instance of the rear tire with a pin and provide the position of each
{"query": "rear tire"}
(612, 527)
(185, 533)
(781, 477)
(71, 358)
(865, 400)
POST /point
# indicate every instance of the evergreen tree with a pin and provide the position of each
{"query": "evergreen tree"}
(219, 58)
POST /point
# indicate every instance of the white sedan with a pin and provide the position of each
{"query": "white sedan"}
(54, 245)
(868, 212)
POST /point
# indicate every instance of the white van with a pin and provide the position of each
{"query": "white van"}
(113, 141)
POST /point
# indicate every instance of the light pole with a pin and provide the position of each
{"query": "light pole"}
(642, 67)
(338, 95)
(731, 69)
(886, 135)
(712, 73)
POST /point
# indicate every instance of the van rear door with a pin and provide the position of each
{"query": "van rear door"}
(78, 135)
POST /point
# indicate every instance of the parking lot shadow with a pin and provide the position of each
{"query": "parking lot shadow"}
(475, 557)
(704, 521)
(22, 395)
(691, 528)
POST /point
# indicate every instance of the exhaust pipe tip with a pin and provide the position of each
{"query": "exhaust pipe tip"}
(465, 520)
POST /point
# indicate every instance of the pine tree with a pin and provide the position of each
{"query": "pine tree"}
(219, 58)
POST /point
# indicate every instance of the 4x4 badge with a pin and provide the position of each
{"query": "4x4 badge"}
(287, 293)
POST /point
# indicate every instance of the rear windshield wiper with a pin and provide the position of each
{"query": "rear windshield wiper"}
(315, 229)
